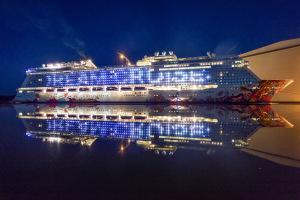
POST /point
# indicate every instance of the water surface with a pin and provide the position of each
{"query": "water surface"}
(149, 152)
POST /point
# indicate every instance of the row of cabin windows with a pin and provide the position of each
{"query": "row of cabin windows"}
(117, 78)
(94, 89)
(155, 77)
(110, 117)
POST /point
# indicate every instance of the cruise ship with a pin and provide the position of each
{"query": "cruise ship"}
(163, 77)
(158, 128)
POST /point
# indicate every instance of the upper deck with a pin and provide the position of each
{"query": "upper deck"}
(160, 69)
(158, 61)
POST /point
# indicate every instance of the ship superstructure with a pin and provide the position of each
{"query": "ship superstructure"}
(159, 78)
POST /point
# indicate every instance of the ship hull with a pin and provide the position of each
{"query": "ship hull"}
(261, 92)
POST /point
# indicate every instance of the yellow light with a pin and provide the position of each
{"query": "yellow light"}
(122, 56)
(54, 139)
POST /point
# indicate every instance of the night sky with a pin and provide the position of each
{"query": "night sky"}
(36, 32)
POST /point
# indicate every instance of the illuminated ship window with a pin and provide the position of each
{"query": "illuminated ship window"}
(139, 117)
(139, 88)
(126, 117)
(61, 115)
(83, 89)
(110, 117)
(126, 89)
(72, 116)
(72, 89)
(97, 117)
(84, 116)
(60, 90)
(50, 115)
(97, 89)
(111, 88)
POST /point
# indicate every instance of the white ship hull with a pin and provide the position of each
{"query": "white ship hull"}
(208, 93)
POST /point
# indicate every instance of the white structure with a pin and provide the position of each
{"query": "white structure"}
(280, 60)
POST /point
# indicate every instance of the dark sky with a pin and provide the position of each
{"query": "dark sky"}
(37, 32)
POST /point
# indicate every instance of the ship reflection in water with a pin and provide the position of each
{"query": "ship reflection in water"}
(162, 129)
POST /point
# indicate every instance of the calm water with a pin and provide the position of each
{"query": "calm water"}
(149, 152)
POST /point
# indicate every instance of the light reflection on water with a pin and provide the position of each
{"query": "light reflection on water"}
(149, 151)
(264, 131)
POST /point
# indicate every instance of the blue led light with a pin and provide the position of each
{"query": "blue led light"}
(142, 75)
(131, 130)
(118, 77)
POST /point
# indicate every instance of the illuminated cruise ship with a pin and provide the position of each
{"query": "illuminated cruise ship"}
(159, 78)
(159, 128)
